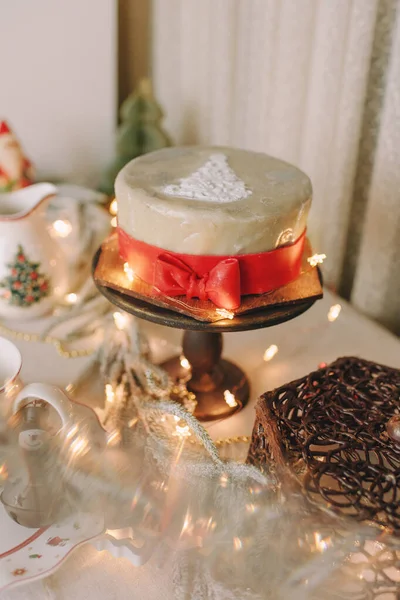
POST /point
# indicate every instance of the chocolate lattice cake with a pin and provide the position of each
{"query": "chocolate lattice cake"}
(338, 431)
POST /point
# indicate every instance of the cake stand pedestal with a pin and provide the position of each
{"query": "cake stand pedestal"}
(221, 387)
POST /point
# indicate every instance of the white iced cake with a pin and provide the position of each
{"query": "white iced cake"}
(206, 200)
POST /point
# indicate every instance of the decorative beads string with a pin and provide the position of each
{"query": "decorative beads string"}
(56, 342)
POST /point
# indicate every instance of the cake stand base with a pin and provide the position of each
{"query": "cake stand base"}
(220, 387)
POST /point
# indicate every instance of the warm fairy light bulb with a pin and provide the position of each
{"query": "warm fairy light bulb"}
(187, 523)
(78, 446)
(114, 222)
(230, 399)
(120, 320)
(71, 298)
(71, 432)
(185, 364)
(62, 228)
(113, 438)
(182, 431)
(225, 314)
(270, 352)
(114, 207)
(316, 259)
(109, 393)
(130, 273)
(224, 480)
(334, 312)
(237, 543)
(321, 543)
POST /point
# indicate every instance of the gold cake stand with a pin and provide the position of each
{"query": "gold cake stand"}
(220, 386)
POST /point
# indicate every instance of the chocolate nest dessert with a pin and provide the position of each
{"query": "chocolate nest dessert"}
(337, 431)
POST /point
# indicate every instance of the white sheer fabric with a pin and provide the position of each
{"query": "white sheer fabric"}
(377, 283)
(291, 79)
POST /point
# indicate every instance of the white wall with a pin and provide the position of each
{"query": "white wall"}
(58, 83)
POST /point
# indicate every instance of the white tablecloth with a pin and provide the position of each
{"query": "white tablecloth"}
(302, 345)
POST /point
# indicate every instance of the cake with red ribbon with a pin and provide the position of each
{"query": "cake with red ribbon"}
(213, 223)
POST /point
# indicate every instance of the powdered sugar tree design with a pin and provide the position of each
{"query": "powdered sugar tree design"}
(25, 285)
(214, 181)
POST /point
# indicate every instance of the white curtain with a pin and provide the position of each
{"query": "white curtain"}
(292, 78)
(376, 289)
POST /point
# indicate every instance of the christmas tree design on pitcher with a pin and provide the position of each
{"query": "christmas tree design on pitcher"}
(25, 285)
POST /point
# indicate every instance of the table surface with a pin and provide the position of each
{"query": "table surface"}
(302, 345)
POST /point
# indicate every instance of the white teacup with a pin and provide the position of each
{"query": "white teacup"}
(73, 416)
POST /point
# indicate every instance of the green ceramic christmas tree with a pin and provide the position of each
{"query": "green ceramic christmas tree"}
(140, 132)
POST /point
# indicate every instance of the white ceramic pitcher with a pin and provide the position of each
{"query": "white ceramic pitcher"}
(33, 268)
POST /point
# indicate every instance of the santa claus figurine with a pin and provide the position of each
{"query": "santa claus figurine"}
(15, 169)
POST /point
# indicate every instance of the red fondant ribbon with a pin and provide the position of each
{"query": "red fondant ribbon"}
(221, 279)
(221, 285)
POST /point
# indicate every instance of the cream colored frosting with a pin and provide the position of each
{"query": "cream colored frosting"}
(212, 200)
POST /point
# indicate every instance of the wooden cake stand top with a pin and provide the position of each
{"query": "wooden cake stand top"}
(143, 308)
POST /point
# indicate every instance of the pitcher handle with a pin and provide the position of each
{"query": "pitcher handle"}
(50, 394)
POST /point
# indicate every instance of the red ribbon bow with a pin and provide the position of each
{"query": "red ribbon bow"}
(221, 284)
